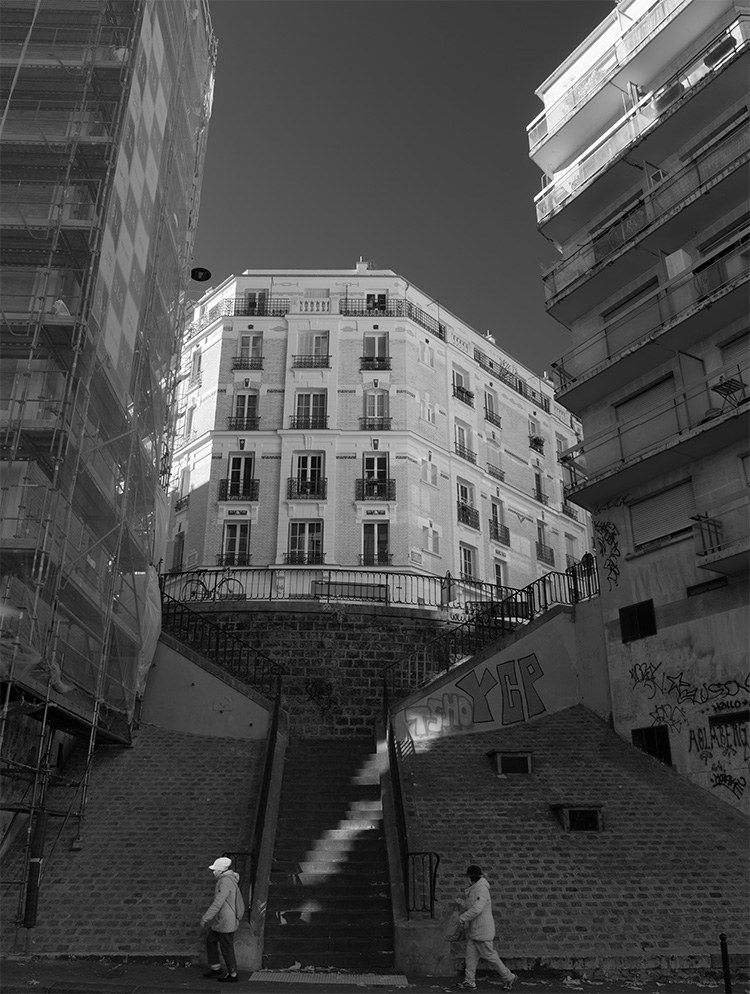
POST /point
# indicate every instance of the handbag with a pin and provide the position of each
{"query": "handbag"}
(455, 930)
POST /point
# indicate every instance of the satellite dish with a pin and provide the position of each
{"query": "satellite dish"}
(200, 275)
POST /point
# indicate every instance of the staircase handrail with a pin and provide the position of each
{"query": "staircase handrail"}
(265, 786)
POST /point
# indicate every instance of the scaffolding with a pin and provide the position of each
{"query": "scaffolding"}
(103, 139)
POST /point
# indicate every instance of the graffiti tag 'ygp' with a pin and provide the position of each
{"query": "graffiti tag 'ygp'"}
(460, 712)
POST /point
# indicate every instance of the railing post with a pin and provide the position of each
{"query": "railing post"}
(725, 963)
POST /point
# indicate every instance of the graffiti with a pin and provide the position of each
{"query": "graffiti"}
(608, 505)
(670, 715)
(726, 705)
(608, 545)
(734, 784)
(649, 675)
(457, 712)
(706, 755)
(320, 692)
(720, 737)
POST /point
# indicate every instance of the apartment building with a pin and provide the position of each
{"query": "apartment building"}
(343, 418)
(105, 113)
(643, 144)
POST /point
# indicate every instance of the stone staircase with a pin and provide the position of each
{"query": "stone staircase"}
(329, 900)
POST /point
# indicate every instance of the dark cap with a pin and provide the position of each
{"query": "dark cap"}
(473, 870)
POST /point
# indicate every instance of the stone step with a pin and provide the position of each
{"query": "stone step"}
(368, 961)
(352, 881)
(355, 833)
(301, 910)
(329, 891)
(319, 825)
(315, 949)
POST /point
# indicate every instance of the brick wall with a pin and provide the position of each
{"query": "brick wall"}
(664, 878)
(157, 815)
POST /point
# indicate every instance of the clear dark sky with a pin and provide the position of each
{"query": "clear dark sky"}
(394, 130)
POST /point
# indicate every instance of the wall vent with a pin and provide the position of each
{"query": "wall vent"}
(510, 763)
(579, 817)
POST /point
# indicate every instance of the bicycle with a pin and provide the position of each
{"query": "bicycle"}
(228, 588)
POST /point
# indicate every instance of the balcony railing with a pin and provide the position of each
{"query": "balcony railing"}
(304, 558)
(467, 514)
(570, 561)
(499, 533)
(243, 424)
(233, 559)
(311, 361)
(662, 310)
(675, 190)
(545, 554)
(195, 380)
(594, 77)
(464, 395)
(241, 307)
(539, 495)
(495, 471)
(394, 308)
(247, 362)
(722, 537)
(637, 121)
(182, 502)
(536, 442)
(375, 559)
(314, 422)
(238, 490)
(494, 419)
(375, 489)
(375, 362)
(316, 489)
(515, 382)
(465, 453)
(375, 424)
(570, 511)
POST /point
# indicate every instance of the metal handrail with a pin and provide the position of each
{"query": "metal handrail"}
(265, 786)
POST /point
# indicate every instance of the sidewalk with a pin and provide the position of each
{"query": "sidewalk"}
(108, 977)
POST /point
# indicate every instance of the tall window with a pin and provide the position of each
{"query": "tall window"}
(240, 475)
(236, 544)
(375, 544)
(311, 410)
(246, 406)
(427, 354)
(376, 404)
(497, 513)
(571, 550)
(195, 368)
(465, 493)
(313, 343)
(501, 574)
(377, 303)
(305, 542)
(375, 346)
(178, 550)
(430, 539)
(468, 561)
(429, 472)
(251, 346)
(309, 480)
(255, 302)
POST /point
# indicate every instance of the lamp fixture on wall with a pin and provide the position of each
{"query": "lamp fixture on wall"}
(247, 382)
(241, 442)
(375, 443)
(375, 384)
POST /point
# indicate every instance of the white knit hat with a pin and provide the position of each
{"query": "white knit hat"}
(222, 863)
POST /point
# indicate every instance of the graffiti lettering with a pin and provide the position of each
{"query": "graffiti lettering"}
(609, 548)
(647, 675)
(512, 693)
(670, 715)
(439, 716)
(721, 737)
(609, 504)
(531, 671)
(477, 691)
(726, 705)
(734, 784)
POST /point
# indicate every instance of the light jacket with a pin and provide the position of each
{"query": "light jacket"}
(224, 907)
(477, 917)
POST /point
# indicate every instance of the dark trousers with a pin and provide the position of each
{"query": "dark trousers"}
(225, 942)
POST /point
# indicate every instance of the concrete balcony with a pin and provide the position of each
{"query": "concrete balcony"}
(658, 123)
(710, 294)
(722, 536)
(660, 222)
(692, 423)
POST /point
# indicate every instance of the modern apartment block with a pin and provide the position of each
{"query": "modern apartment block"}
(643, 143)
(105, 113)
(345, 419)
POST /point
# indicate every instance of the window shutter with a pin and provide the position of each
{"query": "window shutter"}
(736, 351)
(663, 514)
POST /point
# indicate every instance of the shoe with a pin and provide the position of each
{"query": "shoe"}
(229, 979)
(464, 985)
(508, 985)
(213, 973)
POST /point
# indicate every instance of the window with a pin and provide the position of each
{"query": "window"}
(376, 404)
(309, 479)
(375, 466)
(429, 472)
(311, 410)
(246, 406)
(184, 482)
(178, 551)
(235, 544)
(637, 621)
(571, 550)
(377, 303)
(501, 575)
(427, 410)
(666, 513)
(533, 427)
(463, 439)
(465, 492)
(654, 739)
(430, 540)
(508, 763)
(648, 417)
(255, 302)
(427, 354)
(468, 561)
(375, 544)
(313, 343)
(375, 346)
(736, 351)
(579, 818)
(195, 368)
(240, 482)
(250, 346)
(305, 542)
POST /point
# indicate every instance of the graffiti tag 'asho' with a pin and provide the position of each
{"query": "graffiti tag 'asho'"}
(459, 712)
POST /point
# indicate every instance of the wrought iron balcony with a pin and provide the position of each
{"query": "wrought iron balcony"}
(311, 361)
(195, 381)
(494, 419)
(544, 554)
(243, 424)
(233, 559)
(315, 422)
(500, 533)
(495, 471)
(265, 307)
(375, 489)
(570, 561)
(238, 490)
(375, 362)
(570, 511)
(304, 558)
(247, 362)
(375, 559)
(394, 308)
(536, 442)
(375, 424)
(464, 395)
(539, 495)
(316, 489)
(467, 514)
(182, 502)
(465, 453)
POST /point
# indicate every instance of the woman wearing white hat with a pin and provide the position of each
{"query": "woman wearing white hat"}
(226, 911)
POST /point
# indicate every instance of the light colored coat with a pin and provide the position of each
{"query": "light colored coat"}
(225, 903)
(480, 925)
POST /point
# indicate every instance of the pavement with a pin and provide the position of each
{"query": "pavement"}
(112, 977)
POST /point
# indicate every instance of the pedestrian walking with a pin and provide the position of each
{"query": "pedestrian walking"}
(480, 930)
(225, 914)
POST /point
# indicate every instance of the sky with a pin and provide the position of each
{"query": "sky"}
(394, 130)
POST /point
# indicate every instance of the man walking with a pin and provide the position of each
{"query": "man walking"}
(226, 911)
(480, 931)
